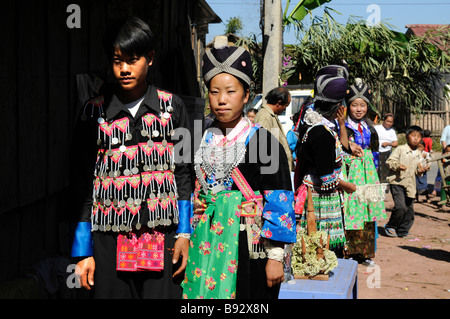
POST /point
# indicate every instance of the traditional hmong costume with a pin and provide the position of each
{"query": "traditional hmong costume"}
(139, 196)
(243, 200)
(237, 206)
(365, 206)
(320, 159)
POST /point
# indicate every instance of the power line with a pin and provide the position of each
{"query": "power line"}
(344, 4)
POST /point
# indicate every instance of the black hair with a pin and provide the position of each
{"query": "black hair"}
(131, 35)
(252, 110)
(388, 115)
(426, 133)
(278, 94)
(295, 117)
(327, 109)
(414, 128)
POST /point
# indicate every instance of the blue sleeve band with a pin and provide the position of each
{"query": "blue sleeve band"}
(186, 213)
(82, 242)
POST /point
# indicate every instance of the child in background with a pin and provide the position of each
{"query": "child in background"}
(421, 181)
(428, 142)
(251, 114)
(404, 166)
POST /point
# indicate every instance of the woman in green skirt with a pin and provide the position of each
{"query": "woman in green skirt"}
(243, 200)
(366, 206)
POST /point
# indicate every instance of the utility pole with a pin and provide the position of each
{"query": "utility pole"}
(272, 42)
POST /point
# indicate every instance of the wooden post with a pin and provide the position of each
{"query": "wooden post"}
(273, 35)
(310, 217)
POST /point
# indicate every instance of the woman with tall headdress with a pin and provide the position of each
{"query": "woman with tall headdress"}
(243, 213)
(319, 154)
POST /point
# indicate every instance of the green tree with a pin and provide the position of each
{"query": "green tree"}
(399, 69)
(234, 25)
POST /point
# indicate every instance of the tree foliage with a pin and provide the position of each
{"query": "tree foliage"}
(400, 69)
(233, 25)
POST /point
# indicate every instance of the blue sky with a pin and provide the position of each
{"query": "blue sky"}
(396, 12)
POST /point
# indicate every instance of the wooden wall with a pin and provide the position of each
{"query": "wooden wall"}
(39, 61)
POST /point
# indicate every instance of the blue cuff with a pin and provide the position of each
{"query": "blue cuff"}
(186, 213)
(82, 242)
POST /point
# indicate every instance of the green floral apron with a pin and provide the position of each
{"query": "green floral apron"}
(214, 246)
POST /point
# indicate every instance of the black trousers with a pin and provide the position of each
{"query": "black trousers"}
(112, 284)
(383, 169)
(402, 217)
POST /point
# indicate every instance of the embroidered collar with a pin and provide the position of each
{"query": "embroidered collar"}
(236, 133)
(354, 124)
(151, 103)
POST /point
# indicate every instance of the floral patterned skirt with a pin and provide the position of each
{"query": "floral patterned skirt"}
(213, 255)
(362, 171)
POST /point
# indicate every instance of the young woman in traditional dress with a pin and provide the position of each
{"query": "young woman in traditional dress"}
(243, 200)
(362, 212)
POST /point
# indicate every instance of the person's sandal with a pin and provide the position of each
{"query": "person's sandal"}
(390, 232)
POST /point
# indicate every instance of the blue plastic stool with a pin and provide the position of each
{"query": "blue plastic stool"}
(342, 284)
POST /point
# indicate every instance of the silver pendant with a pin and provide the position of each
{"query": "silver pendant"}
(101, 120)
(217, 188)
(220, 174)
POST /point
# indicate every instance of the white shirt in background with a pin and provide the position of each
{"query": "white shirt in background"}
(385, 136)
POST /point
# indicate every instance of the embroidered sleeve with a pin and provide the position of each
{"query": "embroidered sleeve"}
(279, 217)
(276, 186)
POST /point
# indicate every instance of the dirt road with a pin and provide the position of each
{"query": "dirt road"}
(413, 268)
